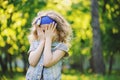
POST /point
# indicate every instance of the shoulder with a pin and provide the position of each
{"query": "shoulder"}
(33, 46)
(62, 47)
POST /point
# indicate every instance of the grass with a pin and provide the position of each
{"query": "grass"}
(76, 75)
(89, 77)
(68, 75)
(17, 76)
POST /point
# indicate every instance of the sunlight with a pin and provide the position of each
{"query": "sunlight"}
(10, 8)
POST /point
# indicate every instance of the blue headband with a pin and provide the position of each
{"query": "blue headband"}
(44, 20)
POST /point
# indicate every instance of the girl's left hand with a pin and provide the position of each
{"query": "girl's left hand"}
(49, 30)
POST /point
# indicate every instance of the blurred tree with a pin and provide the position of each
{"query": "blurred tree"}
(16, 17)
(110, 14)
(97, 63)
(78, 15)
(15, 21)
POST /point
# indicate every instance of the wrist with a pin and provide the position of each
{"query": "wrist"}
(42, 39)
(48, 38)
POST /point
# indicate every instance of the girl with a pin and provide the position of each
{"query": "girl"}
(49, 38)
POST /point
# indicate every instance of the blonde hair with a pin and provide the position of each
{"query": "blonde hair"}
(63, 27)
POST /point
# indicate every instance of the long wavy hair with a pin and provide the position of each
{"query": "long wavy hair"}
(63, 28)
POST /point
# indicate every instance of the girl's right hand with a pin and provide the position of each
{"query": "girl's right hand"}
(41, 34)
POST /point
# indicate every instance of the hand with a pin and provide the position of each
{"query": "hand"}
(41, 34)
(49, 30)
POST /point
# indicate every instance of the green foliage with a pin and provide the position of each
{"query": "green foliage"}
(72, 75)
(16, 17)
(111, 25)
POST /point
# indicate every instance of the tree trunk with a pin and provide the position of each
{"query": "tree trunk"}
(15, 63)
(3, 62)
(81, 63)
(10, 65)
(110, 63)
(104, 6)
(25, 62)
(97, 58)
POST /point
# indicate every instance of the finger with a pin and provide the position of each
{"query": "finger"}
(40, 30)
(46, 28)
(54, 26)
(49, 26)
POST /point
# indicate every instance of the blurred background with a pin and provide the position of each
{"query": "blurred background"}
(95, 46)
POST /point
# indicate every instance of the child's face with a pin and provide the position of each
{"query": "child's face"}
(43, 27)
